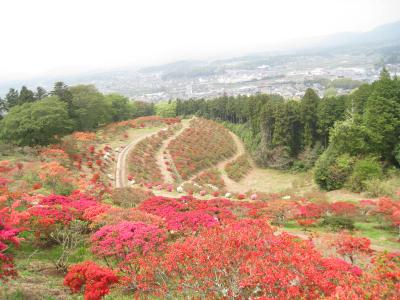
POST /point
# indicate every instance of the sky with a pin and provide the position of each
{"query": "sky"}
(52, 37)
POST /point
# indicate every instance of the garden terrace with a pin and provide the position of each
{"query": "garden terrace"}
(142, 165)
(201, 146)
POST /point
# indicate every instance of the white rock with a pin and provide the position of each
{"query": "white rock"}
(286, 197)
(228, 195)
(179, 189)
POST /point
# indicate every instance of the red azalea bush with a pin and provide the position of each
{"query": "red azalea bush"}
(91, 279)
(390, 209)
(350, 246)
(380, 281)
(244, 259)
(341, 208)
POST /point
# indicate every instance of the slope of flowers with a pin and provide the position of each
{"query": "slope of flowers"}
(200, 146)
(238, 168)
(210, 178)
(213, 249)
(143, 167)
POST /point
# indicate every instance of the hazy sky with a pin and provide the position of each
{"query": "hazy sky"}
(42, 37)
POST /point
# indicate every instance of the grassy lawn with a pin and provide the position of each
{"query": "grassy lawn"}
(381, 238)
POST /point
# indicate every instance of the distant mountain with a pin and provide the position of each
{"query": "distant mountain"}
(382, 34)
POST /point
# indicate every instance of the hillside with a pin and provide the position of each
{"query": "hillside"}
(180, 196)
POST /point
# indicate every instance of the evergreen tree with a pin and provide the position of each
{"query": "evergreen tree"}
(11, 99)
(309, 106)
(40, 93)
(26, 96)
(63, 93)
(382, 119)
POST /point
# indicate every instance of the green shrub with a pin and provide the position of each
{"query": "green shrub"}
(377, 188)
(337, 223)
(331, 172)
(364, 170)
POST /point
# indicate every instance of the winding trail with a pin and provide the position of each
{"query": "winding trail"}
(230, 184)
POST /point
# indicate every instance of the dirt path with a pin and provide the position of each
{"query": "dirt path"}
(160, 155)
(231, 185)
(120, 170)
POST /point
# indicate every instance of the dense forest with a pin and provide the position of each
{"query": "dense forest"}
(349, 139)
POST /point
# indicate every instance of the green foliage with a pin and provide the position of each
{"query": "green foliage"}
(166, 109)
(309, 106)
(338, 223)
(140, 109)
(89, 108)
(244, 132)
(330, 92)
(331, 172)
(364, 170)
(345, 83)
(382, 119)
(359, 98)
(376, 187)
(121, 107)
(330, 110)
(38, 123)
(350, 136)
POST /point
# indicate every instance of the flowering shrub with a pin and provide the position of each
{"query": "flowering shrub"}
(350, 246)
(91, 213)
(254, 263)
(117, 215)
(340, 208)
(186, 213)
(56, 177)
(200, 146)
(91, 279)
(8, 239)
(126, 240)
(56, 210)
(380, 281)
(238, 168)
(390, 209)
